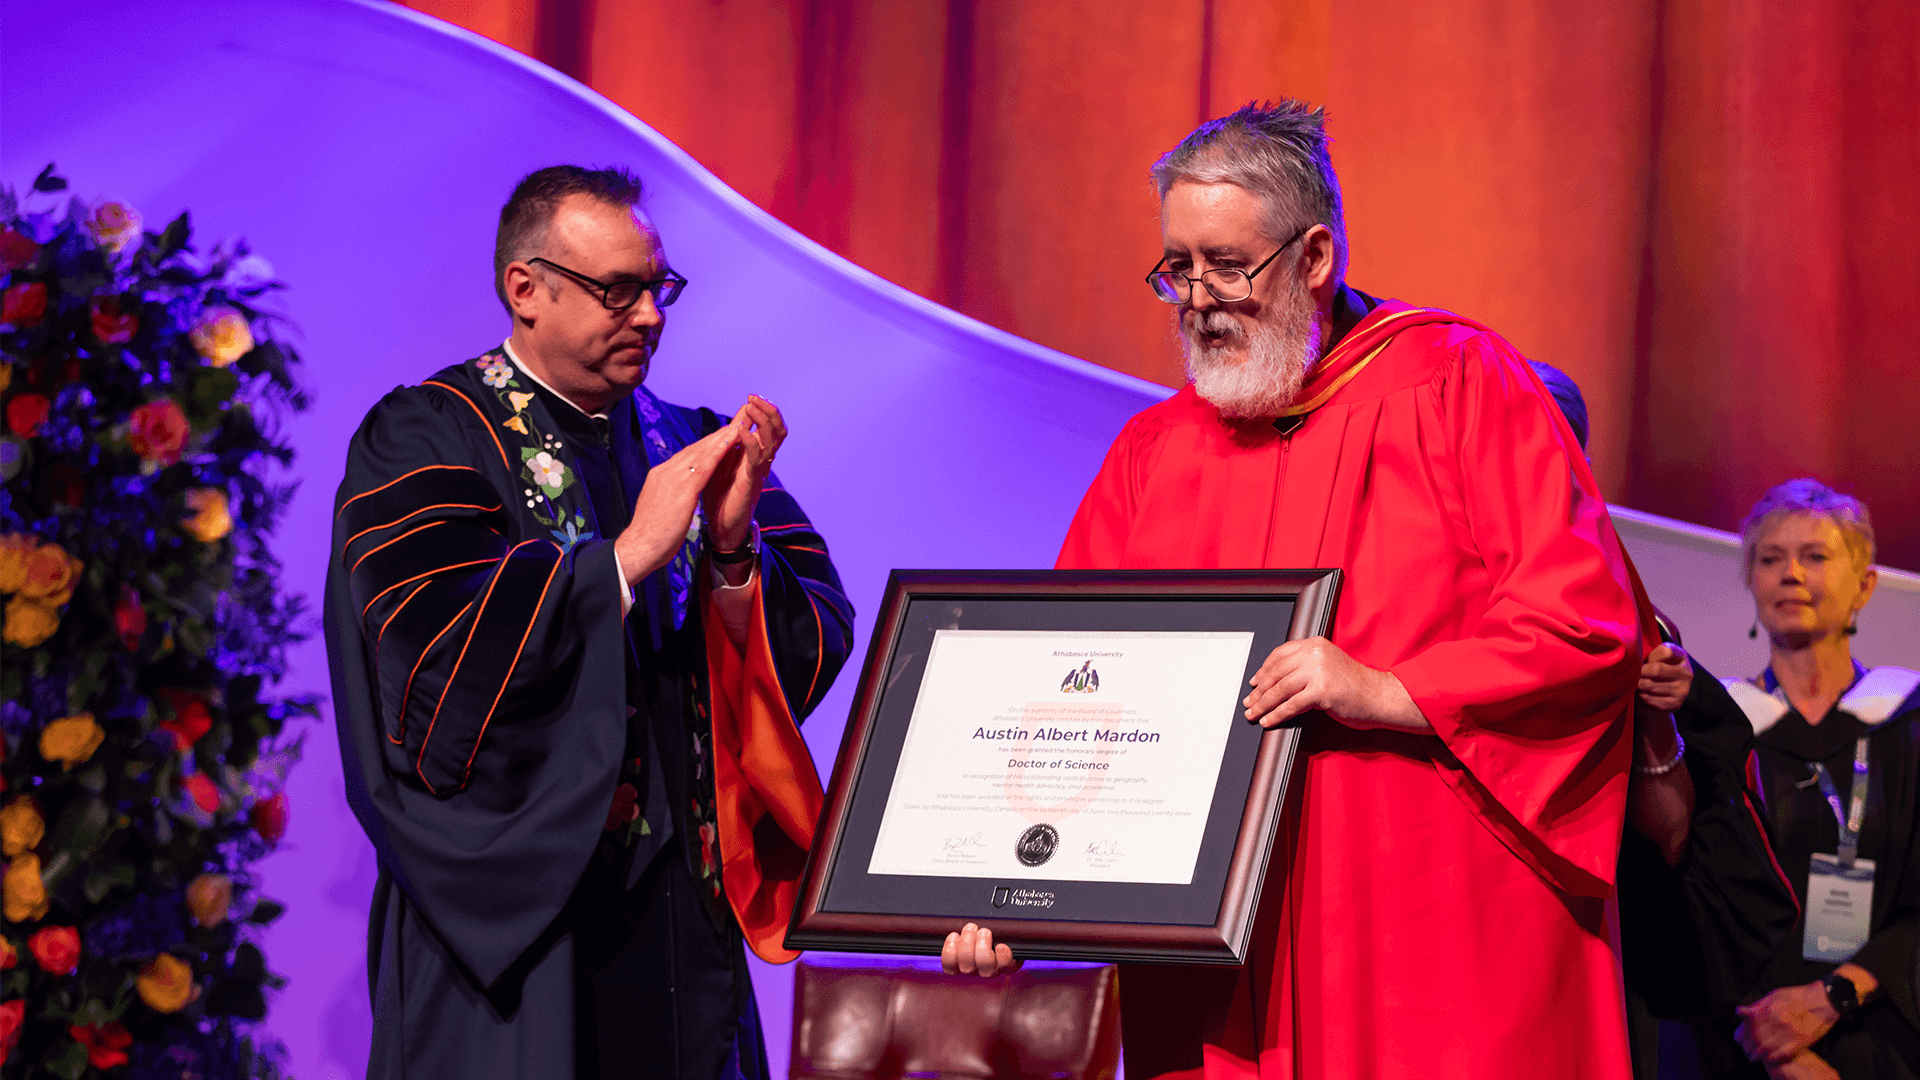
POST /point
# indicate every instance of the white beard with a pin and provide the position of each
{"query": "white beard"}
(1273, 362)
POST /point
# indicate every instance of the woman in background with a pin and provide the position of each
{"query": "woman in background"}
(1839, 756)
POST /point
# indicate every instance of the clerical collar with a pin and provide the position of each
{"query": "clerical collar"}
(599, 419)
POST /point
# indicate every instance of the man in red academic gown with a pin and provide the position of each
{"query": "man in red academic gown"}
(1441, 899)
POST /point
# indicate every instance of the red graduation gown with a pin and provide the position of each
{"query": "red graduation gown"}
(1440, 904)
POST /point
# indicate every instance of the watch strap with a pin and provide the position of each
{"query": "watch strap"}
(744, 553)
(1841, 993)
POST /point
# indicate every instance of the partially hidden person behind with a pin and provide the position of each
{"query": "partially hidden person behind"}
(1439, 902)
(572, 629)
(1839, 754)
(1704, 904)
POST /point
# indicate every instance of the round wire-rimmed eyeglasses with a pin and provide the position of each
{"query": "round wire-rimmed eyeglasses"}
(621, 295)
(1228, 284)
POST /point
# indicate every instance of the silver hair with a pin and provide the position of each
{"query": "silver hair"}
(1809, 496)
(1278, 153)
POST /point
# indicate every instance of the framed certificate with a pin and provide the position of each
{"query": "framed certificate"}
(1061, 756)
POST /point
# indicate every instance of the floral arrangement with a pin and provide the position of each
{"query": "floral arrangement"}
(141, 389)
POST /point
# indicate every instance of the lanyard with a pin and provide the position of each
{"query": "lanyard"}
(1856, 811)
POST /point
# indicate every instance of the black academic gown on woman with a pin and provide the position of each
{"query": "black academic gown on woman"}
(1882, 1039)
(533, 767)
(1695, 937)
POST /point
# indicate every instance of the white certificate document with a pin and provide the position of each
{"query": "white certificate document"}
(1063, 755)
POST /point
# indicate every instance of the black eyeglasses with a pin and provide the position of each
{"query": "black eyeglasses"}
(1229, 285)
(621, 295)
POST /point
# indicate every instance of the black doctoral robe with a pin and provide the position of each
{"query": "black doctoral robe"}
(1695, 937)
(535, 769)
(1882, 1039)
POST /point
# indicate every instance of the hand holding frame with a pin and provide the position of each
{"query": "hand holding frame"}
(1314, 673)
(971, 951)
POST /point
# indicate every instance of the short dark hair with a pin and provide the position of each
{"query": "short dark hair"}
(1275, 151)
(529, 210)
(1566, 394)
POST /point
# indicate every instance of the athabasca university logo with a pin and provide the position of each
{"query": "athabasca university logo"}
(1081, 680)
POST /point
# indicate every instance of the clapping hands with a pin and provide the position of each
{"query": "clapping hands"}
(734, 489)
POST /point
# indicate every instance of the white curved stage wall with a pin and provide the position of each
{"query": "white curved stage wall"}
(365, 151)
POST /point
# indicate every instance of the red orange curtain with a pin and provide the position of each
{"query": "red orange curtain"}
(1707, 212)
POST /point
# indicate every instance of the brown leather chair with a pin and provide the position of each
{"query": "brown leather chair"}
(859, 1022)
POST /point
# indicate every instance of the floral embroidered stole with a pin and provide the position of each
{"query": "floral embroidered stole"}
(558, 500)
(552, 489)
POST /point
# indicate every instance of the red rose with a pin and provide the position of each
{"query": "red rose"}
(23, 305)
(205, 795)
(158, 431)
(13, 1014)
(626, 807)
(130, 619)
(16, 251)
(9, 956)
(106, 1043)
(25, 414)
(269, 817)
(190, 719)
(56, 949)
(111, 324)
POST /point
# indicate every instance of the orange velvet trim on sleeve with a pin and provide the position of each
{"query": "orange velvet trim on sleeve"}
(767, 795)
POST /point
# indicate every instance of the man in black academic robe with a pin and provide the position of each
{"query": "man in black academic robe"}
(534, 563)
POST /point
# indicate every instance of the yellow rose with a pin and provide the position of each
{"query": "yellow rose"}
(6, 377)
(14, 550)
(71, 740)
(21, 826)
(51, 575)
(25, 894)
(222, 336)
(211, 519)
(208, 898)
(114, 225)
(29, 622)
(166, 984)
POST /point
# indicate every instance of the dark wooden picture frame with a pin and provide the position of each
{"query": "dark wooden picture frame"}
(1240, 829)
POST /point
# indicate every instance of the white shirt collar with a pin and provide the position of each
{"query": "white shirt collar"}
(507, 347)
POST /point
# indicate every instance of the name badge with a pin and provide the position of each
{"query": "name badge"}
(1839, 906)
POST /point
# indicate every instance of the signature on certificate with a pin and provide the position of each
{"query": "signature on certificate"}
(960, 843)
(1106, 848)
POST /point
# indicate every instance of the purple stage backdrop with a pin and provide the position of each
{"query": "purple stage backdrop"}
(365, 151)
